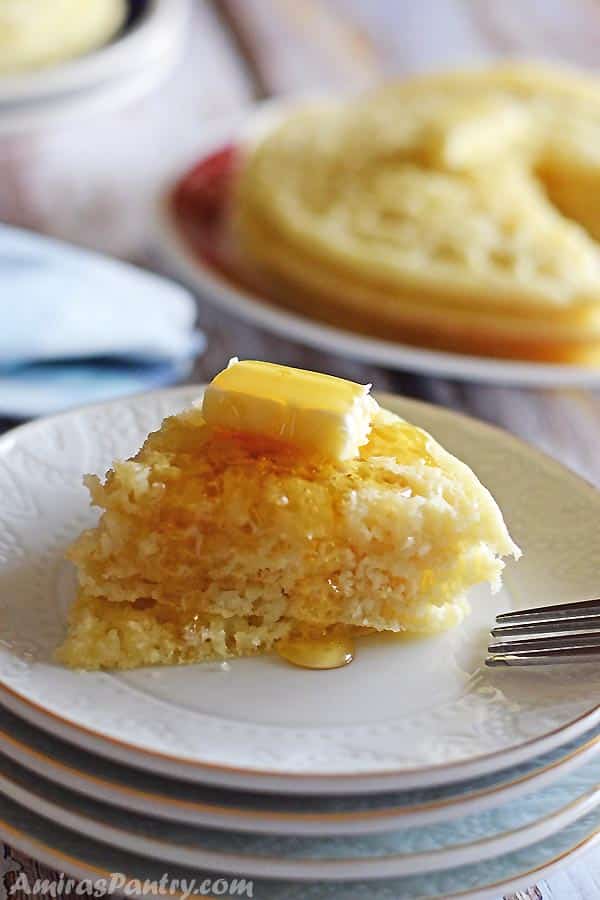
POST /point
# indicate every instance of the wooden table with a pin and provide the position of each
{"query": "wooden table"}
(92, 182)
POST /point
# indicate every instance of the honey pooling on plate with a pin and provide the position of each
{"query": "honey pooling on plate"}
(328, 650)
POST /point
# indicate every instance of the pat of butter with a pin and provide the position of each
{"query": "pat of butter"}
(476, 132)
(314, 411)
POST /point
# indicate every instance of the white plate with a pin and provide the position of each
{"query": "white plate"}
(243, 811)
(397, 854)
(258, 310)
(263, 724)
(152, 33)
(66, 851)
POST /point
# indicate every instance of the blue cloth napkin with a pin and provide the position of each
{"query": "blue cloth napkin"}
(77, 327)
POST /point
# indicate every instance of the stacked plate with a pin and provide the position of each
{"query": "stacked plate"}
(130, 65)
(413, 773)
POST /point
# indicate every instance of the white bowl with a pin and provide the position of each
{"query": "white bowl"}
(154, 26)
(98, 99)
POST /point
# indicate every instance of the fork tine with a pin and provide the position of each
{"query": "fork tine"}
(547, 626)
(560, 642)
(558, 611)
(545, 657)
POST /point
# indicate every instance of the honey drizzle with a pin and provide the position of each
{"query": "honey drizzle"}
(326, 651)
(335, 648)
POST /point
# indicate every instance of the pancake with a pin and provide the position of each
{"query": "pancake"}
(454, 210)
(214, 543)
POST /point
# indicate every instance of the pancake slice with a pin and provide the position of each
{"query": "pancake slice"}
(215, 543)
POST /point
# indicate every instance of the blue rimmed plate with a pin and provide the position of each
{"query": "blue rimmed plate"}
(512, 826)
(69, 852)
(242, 811)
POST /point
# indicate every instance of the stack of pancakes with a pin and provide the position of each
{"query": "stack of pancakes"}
(456, 211)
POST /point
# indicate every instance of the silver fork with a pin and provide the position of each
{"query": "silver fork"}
(547, 635)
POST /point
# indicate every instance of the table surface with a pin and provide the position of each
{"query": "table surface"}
(92, 182)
